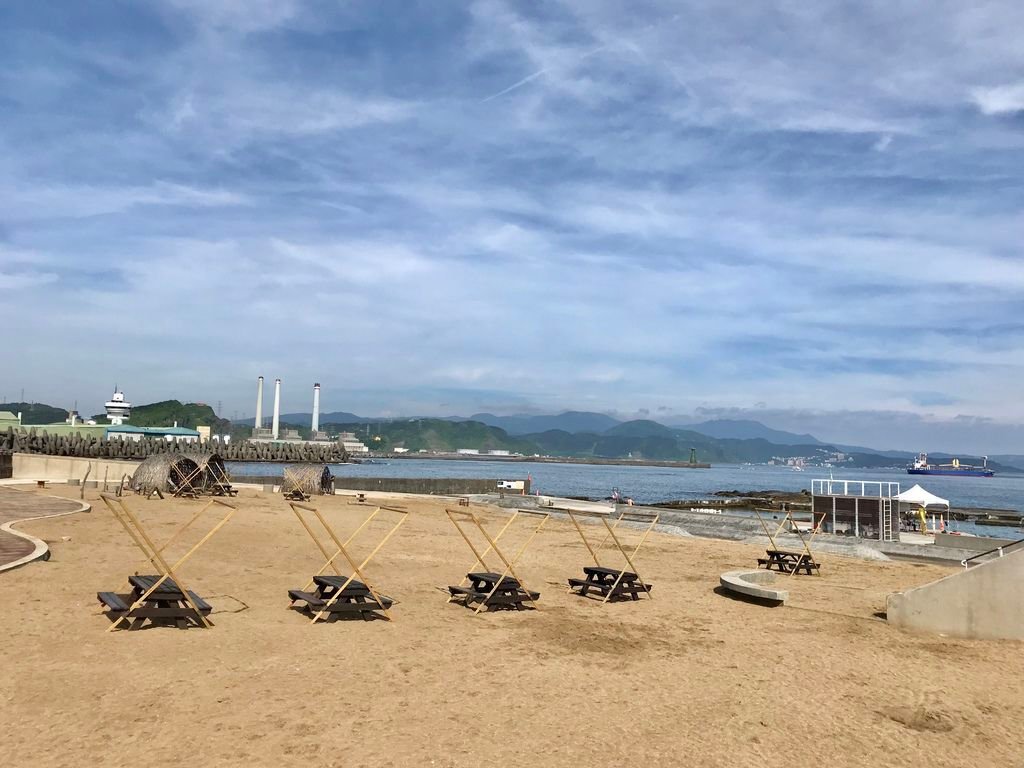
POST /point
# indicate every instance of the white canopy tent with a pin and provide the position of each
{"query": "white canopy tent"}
(922, 498)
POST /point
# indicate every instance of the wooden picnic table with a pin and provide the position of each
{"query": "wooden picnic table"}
(786, 561)
(167, 605)
(603, 580)
(354, 599)
(223, 489)
(507, 591)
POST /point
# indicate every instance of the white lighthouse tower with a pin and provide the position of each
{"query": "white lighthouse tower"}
(118, 409)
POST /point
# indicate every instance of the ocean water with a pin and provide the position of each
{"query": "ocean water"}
(653, 484)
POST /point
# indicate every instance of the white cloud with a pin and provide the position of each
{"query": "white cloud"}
(674, 204)
(1000, 99)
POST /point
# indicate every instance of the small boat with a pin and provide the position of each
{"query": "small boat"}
(954, 469)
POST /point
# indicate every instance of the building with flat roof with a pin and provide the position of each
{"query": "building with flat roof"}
(170, 434)
(351, 443)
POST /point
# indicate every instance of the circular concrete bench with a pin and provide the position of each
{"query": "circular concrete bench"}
(754, 584)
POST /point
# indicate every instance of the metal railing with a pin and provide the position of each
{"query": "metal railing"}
(879, 489)
(1000, 549)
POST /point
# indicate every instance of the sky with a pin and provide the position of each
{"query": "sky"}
(810, 212)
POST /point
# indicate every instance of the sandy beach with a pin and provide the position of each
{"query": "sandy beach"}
(689, 677)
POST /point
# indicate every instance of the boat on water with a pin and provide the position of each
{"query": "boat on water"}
(955, 469)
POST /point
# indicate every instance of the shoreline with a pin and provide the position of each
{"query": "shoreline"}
(595, 461)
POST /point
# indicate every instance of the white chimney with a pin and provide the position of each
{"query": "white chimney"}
(316, 408)
(259, 403)
(277, 408)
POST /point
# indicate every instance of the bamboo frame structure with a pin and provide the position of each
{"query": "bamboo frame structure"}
(492, 546)
(651, 518)
(307, 480)
(209, 472)
(806, 542)
(342, 550)
(155, 554)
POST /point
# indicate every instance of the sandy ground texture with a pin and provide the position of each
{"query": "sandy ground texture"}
(689, 677)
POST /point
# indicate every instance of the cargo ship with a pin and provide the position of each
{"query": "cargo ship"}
(922, 467)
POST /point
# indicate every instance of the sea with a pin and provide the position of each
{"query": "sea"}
(647, 485)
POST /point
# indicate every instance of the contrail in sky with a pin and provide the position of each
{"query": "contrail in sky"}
(512, 87)
(537, 74)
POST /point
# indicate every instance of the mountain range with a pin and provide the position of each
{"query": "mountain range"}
(570, 434)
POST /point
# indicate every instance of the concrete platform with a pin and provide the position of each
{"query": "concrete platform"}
(983, 602)
(754, 584)
(17, 547)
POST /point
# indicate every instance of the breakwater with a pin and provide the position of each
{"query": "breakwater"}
(589, 460)
(91, 447)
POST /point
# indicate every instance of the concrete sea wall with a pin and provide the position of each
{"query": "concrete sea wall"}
(983, 602)
(971, 543)
(60, 469)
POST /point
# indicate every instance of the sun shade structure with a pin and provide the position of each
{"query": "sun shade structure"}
(161, 473)
(918, 496)
(786, 560)
(488, 587)
(613, 583)
(337, 594)
(162, 598)
(303, 481)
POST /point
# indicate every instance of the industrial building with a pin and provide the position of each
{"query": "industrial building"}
(262, 434)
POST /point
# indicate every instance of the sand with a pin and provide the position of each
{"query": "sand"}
(687, 678)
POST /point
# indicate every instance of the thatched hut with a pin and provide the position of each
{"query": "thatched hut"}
(167, 473)
(305, 480)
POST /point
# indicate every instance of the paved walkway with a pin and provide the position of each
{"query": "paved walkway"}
(24, 505)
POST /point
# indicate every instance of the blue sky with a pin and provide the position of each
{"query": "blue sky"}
(802, 211)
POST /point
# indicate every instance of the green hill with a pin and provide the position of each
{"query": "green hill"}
(666, 446)
(167, 412)
(36, 413)
(434, 435)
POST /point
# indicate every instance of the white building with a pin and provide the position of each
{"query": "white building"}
(119, 410)
(351, 443)
(468, 451)
(173, 434)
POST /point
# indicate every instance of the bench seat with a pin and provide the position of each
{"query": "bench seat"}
(341, 605)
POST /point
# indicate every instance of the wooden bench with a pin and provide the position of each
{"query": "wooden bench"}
(166, 605)
(223, 489)
(788, 562)
(603, 580)
(356, 598)
(494, 591)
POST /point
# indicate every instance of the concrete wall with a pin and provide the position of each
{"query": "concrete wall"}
(34, 466)
(983, 602)
(440, 486)
(971, 543)
(6, 465)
